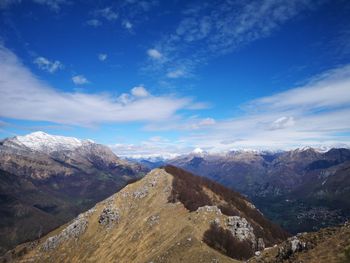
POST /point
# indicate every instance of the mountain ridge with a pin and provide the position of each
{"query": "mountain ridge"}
(284, 184)
(144, 223)
(54, 183)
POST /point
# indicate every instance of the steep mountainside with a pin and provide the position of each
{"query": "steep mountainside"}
(302, 190)
(168, 216)
(46, 180)
(327, 245)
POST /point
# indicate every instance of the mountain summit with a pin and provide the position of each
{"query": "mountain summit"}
(168, 216)
(46, 180)
(43, 142)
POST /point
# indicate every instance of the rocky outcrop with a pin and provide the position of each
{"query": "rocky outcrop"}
(72, 231)
(153, 220)
(210, 209)
(292, 246)
(240, 228)
(109, 216)
(142, 217)
(141, 193)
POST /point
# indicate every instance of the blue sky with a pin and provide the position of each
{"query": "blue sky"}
(164, 77)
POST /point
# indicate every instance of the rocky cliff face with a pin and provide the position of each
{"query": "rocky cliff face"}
(46, 180)
(145, 222)
(303, 189)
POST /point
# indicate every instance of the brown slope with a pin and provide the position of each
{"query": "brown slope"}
(40, 191)
(144, 223)
(301, 190)
(195, 191)
(328, 245)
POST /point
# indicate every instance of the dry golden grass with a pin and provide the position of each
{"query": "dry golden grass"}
(177, 237)
(325, 246)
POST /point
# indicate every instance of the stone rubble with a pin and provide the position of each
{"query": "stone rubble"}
(153, 220)
(141, 193)
(293, 245)
(240, 228)
(152, 183)
(73, 231)
(109, 216)
(208, 208)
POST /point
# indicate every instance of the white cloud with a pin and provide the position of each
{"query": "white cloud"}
(102, 57)
(315, 114)
(154, 147)
(54, 5)
(175, 74)
(25, 97)
(180, 124)
(282, 123)
(326, 90)
(154, 53)
(47, 65)
(139, 91)
(217, 27)
(6, 3)
(127, 24)
(107, 13)
(94, 22)
(79, 80)
(311, 115)
(207, 121)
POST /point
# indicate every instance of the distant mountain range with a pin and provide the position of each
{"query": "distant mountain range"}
(46, 180)
(149, 162)
(302, 190)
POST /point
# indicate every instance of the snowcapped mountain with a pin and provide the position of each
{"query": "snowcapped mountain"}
(199, 151)
(310, 177)
(46, 143)
(47, 179)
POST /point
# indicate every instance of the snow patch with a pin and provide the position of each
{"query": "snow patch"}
(43, 142)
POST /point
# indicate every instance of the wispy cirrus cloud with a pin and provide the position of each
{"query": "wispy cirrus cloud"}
(102, 56)
(54, 5)
(80, 80)
(94, 23)
(129, 12)
(25, 97)
(154, 53)
(176, 74)
(212, 28)
(47, 65)
(127, 24)
(107, 13)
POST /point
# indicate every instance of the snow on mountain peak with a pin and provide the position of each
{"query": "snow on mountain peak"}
(43, 142)
(198, 151)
